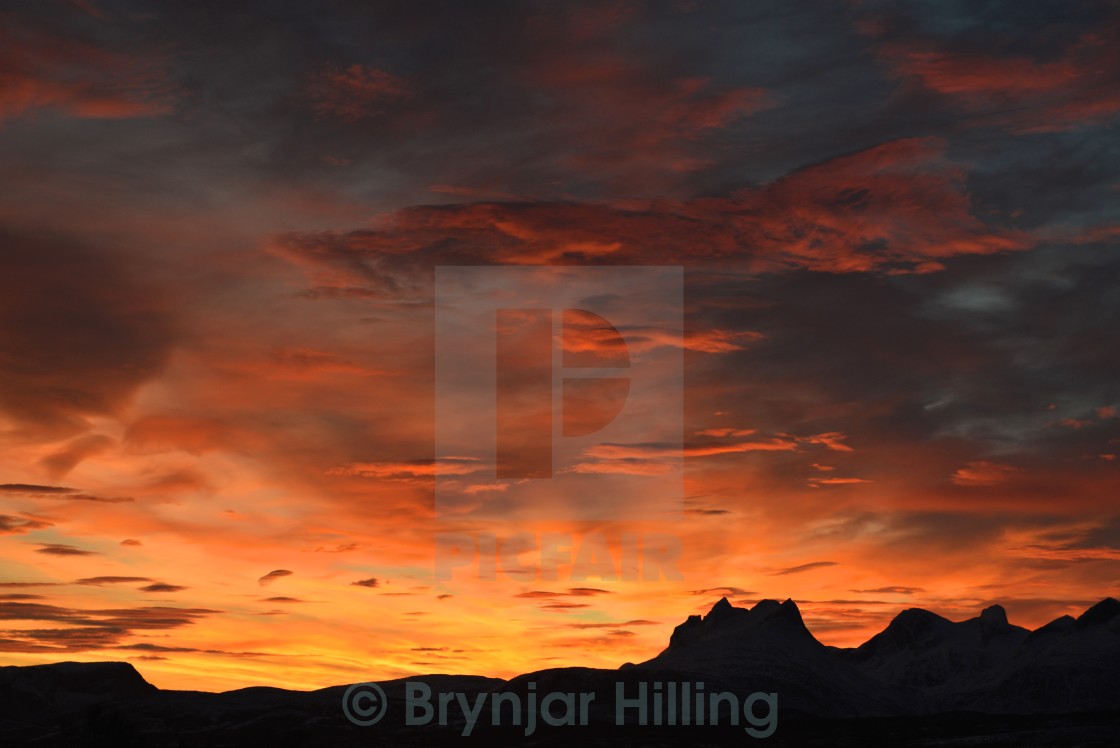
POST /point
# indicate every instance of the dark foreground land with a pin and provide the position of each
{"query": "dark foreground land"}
(923, 681)
(117, 725)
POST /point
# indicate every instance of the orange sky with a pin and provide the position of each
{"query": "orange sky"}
(218, 333)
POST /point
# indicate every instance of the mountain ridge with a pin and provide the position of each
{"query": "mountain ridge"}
(920, 664)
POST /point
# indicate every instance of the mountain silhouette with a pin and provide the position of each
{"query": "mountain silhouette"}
(768, 648)
(66, 685)
(936, 665)
(923, 678)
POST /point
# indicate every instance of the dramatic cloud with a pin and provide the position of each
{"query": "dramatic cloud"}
(898, 207)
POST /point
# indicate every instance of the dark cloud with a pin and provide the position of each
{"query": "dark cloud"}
(148, 647)
(59, 492)
(61, 549)
(98, 581)
(563, 607)
(20, 525)
(25, 488)
(75, 77)
(88, 629)
(989, 356)
(370, 582)
(95, 499)
(804, 568)
(354, 93)
(80, 350)
(570, 592)
(723, 591)
(635, 622)
(272, 576)
(1015, 75)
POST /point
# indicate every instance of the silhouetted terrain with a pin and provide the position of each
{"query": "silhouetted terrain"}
(920, 664)
(924, 680)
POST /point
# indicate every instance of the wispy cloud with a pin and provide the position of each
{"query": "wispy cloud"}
(804, 567)
(272, 576)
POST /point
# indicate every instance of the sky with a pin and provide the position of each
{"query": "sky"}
(896, 226)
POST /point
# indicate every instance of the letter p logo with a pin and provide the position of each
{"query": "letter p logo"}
(558, 392)
(525, 384)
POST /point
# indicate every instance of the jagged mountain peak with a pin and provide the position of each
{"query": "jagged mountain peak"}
(790, 606)
(763, 610)
(766, 618)
(789, 612)
(720, 609)
(1102, 612)
(765, 607)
